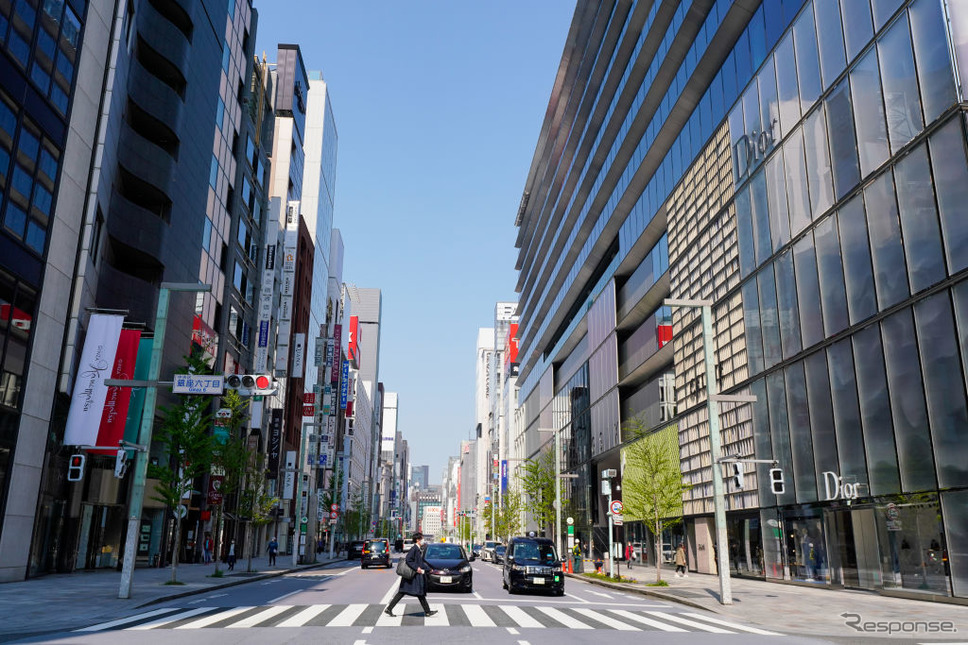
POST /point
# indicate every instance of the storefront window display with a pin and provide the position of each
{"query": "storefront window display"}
(911, 542)
(745, 538)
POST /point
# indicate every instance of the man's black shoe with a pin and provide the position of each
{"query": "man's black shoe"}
(428, 614)
(388, 612)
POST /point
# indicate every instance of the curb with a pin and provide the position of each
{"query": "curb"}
(641, 591)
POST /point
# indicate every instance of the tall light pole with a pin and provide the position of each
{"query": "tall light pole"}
(136, 500)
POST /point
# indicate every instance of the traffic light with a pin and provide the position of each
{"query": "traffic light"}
(121, 463)
(252, 384)
(776, 481)
(75, 468)
(738, 474)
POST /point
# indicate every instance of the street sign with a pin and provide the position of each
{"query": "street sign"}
(616, 507)
(304, 519)
(334, 507)
(334, 515)
(181, 511)
(198, 384)
(570, 521)
(616, 521)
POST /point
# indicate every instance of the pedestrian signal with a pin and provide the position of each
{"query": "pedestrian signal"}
(738, 475)
(776, 481)
(75, 468)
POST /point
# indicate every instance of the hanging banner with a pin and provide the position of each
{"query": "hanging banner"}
(90, 392)
(298, 356)
(115, 415)
(337, 350)
(274, 447)
(132, 426)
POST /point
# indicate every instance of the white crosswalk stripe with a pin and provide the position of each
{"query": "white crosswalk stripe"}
(475, 615)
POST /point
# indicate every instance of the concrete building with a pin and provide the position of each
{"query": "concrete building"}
(802, 166)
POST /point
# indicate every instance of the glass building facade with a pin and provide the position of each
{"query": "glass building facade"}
(800, 165)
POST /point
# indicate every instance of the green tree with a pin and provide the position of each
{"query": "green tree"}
(652, 485)
(537, 480)
(230, 459)
(357, 518)
(255, 503)
(187, 446)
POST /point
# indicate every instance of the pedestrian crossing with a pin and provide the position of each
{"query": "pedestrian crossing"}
(411, 615)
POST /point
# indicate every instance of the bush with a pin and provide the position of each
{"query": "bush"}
(660, 583)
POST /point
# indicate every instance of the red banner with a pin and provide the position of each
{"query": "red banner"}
(115, 412)
(215, 489)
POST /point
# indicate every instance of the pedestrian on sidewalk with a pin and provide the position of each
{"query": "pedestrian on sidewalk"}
(629, 554)
(680, 561)
(273, 549)
(232, 556)
(416, 586)
(207, 545)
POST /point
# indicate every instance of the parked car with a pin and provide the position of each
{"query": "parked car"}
(532, 564)
(406, 545)
(376, 552)
(476, 550)
(450, 567)
(499, 552)
(355, 550)
(487, 551)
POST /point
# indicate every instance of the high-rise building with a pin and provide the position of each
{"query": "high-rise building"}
(421, 476)
(801, 166)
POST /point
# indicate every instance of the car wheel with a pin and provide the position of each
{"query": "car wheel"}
(560, 592)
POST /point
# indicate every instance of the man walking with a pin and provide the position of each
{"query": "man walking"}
(273, 549)
(232, 556)
(207, 548)
(416, 586)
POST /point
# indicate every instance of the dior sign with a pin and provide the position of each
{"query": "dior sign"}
(836, 488)
(750, 149)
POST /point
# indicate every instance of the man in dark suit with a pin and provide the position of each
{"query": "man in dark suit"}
(416, 586)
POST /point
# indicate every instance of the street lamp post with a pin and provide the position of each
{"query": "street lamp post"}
(136, 500)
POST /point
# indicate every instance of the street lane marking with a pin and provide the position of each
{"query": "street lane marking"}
(611, 622)
(285, 595)
(724, 623)
(597, 593)
(171, 619)
(214, 618)
(392, 621)
(439, 619)
(691, 623)
(519, 616)
(130, 619)
(262, 616)
(478, 596)
(348, 616)
(475, 614)
(303, 617)
(647, 621)
(385, 600)
(581, 600)
(512, 630)
(367, 630)
(563, 618)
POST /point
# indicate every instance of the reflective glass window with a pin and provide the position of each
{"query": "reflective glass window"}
(800, 441)
(859, 277)
(883, 10)
(762, 241)
(769, 105)
(754, 336)
(933, 59)
(887, 250)
(769, 317)
(831, 271)
(740, 147)
(831, 36)
(808, 60)
(776, 196)
(843, 146)
(919, 220)
(907, 402)
(744, 232)
(786, 300)
(786, 84)
(865, 92)
(780, 431)
(808, 291)
(818, 162)
(944, 387)
(900, 85)
(796, 175)
(950, 169)
(843, 395)
(858, 27)
(821, 413)
(875, 411)
(954, 505)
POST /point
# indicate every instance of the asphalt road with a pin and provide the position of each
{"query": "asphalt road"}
(343, 604)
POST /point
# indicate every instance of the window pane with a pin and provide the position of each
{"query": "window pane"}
(744, 232)
(15, 219)
(761, 436)
(831, 270)
(754, 337)
(808, 291)
(944, 388)
(955, 508)
(865, 92)
(843, 147)
(843, 393)
(919, 220)
(887, 252)
(821, 413)
(769, 318)
(933, 60)
(818, 162)
(797, 196)
(761, 218)
(875, 412)
(858, 28)
(786, 85)
(808, 61)
(776, 192)
(786, 299)
(800, 440)
(950, 169)
(831, 35)
(883, 10)
(769, 106)
(907, 402)
(900, 85)
(780, 432)
(861, 300)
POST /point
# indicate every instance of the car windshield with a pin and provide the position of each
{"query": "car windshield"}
(444, 552)
(490, 545)
(530, 551)
(500, 549)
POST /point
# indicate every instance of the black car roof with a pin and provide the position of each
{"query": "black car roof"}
(535, 540)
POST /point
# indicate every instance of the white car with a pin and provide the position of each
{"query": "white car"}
(487, 551)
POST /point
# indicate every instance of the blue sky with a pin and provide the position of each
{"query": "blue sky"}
(438, 107)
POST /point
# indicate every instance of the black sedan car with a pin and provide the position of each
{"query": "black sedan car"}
(531, 564)
(376, 552)
(355, 549)
(450, 567)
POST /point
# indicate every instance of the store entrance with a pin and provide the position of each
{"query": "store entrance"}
(853, 547)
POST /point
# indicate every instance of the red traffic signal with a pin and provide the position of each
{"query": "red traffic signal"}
(251, 384)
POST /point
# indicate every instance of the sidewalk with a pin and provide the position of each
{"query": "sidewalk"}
(797, 609)
(59, 602)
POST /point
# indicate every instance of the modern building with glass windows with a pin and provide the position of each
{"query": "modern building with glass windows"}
(801, 165)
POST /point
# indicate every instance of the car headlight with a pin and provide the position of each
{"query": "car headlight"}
(465, 569)
(519, 567)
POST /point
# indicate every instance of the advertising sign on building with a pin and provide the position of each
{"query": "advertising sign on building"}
(260, 361)
(320, 352)
(353, 344)
(344, 385)
(289, 481)
(337, 342)
(115, 415)
(274, 446)
(298, 356)
(90, 392)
